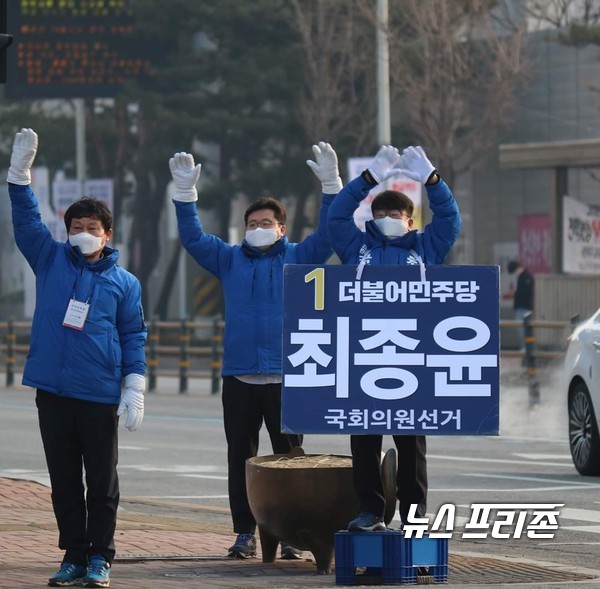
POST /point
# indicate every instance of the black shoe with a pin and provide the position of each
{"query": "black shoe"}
(244, 547)
(366, 522)
(288, 552)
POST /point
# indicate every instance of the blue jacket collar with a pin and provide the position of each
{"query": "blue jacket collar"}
(277, 248)
(375, 236)
(109, 258)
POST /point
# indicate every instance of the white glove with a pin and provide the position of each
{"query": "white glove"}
(132, 401)
(326, 168)
(186, 176)
(384, 164)
(415, 165)
(23, 153)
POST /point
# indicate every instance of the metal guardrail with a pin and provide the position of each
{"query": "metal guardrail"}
(162, 334)
(533, 353)
(15, 346)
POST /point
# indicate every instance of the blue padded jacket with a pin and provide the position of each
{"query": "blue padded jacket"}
(353, 245)
(88, 364)
(252, 282)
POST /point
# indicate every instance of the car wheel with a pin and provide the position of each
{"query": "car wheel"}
(584, 440)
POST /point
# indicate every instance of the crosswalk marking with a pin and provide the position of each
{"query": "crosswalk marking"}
(584, 515)
(565, 456)
(176, 469)
(589, 529)
(184, 497)
(488, 460)
(38, 476)
(569, 484)
(204, 476)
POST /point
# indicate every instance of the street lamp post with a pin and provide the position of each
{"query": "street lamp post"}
(384, 134)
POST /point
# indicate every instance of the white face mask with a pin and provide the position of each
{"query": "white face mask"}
(260, 237)
(392, 227)
(88, 243)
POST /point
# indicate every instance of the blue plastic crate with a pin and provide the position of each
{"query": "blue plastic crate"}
(389, 557)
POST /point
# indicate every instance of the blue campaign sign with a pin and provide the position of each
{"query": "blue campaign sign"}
(391, 351)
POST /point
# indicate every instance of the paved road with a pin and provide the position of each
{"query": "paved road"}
(175, 464)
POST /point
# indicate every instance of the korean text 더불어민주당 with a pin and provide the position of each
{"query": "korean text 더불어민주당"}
(391, 351)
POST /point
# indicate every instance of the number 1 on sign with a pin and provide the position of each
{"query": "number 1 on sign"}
(318, 275)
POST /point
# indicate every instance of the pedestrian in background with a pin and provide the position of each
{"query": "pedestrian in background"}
(87, 361)
(390, 238)
(251, 275)
(523, 301)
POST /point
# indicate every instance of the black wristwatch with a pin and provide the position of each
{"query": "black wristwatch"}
(369, 178)
(434, 178)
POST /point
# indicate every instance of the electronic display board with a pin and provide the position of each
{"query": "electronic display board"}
(73, 48)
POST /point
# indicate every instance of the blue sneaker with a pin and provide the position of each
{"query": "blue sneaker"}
(98, 572)
(244, 547)
(366, 522)
(68, 574)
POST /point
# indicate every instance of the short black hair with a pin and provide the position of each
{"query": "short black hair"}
(512, 266)
(267, 203)
(393, 200)
(89, 207)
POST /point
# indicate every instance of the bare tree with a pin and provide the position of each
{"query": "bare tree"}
(338, 103)
(457, 76)
(577, 22)
(564, 13)
(454, 74)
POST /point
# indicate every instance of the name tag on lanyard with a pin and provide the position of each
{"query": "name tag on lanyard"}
(76, 314)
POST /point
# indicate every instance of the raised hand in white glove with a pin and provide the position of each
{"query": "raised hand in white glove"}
(415, 165)
(23, 153)
(185, 176)
(384, 163)
(326, 168)
(132, 401)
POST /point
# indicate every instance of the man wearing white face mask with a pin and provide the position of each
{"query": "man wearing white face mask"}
(252, 278)
(86, 360)
(391, 239)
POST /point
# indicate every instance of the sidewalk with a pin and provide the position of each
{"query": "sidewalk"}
(156, 550)
(178, 553)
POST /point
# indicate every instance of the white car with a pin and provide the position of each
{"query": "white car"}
(582, 370)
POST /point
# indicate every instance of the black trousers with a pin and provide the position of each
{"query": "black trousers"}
(411, 479)
(245, 407)
(76, 435)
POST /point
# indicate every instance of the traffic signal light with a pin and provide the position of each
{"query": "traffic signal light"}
(5, 40)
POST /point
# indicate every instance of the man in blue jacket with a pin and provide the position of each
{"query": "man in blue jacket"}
(87, 361)
(251, 275)
(391, 239)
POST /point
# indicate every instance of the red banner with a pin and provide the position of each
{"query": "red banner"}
(535, 252)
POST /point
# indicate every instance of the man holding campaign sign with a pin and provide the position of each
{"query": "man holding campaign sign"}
(390, 239)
